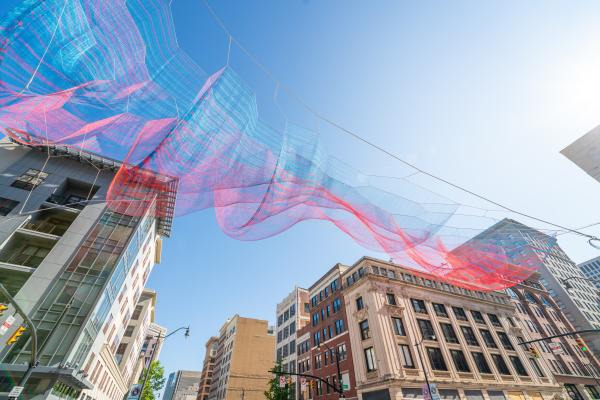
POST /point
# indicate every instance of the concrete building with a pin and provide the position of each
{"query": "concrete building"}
(585, 153)
(578, 298)
(591, 270)
(210, 355)
(540, 316)
(245, 355)
(405, 325)
(292, 314)
(60, 244)
(182, 385)
(328, 334)
(129, 355)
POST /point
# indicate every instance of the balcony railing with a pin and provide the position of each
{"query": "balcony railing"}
(46, 227)
(68, 201)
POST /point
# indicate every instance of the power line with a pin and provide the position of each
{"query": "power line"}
(349, 132)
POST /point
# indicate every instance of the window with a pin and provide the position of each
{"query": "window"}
(477, 317)
(460, 362)
(516, 362)
(364, 329)
(341, 351)
(359, 303)
(481, 363)
(326, 291)
(129, 331)
(286, 332)
(137, 312)
(494, 319)
(306, 307)
(469, 335)
(7, 205)
(333, 285)
(317, 338)
(536, 367)
(286, 315)
(370, 359)
(339, 326)
(504, 339)
(436, 359)
(398, 326)
(449, 333)
(405, 354)
(419, 306)
(530, 298)
(314, 301)
(317, 361)
(426, 328)
(459, 313)
(292, 310)
(488, 338)
(337, 304)
(292, 327)
(500, 364)
(31, 179)
(315, 319)
(440, 310)
(328, 310)
(391, 299)
(279, 336)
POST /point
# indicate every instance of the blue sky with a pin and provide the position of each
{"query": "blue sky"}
(485, 94)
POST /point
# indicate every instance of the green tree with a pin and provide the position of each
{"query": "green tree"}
(275, 392)
(155, 382)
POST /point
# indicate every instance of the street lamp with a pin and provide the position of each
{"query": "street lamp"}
(158, 337)
(432, 337)
(337, 362)
(567, 285)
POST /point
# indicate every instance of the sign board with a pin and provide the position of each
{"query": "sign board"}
(135, 391)
(6, 324)
(282, 381)
(435, 395)
(345, 381)
(16, 391)
(303, 383)
(556, 348)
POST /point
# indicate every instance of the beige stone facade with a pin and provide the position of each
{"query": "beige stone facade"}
(469, 339)
(245, 355)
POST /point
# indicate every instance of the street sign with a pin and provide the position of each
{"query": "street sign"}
(135, 391)
(6, 324)
(435, 395)
(282, 381)
(556, 348)
(16, 391)
(303, 382)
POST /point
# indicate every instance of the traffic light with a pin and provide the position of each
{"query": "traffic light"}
(3, 307)
(533, 351)
(15, 336)
(581, 344)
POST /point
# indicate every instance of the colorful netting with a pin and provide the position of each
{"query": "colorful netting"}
(108, 77)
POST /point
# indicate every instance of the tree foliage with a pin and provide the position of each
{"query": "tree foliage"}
(275, 392)
(155, 382)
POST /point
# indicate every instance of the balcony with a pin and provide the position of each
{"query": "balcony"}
(25, 250)
(69, 201)
(49, 222)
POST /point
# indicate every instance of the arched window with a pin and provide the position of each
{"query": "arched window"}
(530, 298)
(545, 301)
(512, 293)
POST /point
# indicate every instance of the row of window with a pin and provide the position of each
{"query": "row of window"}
(326, 311)
(286, 349)
(323, 294)
(460, 314)
(328, 332)
(438, 363)
(287, 331)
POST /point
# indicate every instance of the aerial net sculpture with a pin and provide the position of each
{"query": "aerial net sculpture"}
(108, 77)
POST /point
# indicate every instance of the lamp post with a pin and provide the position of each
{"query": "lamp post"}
(186, 334)
(337, 362)
(423, 364)
(565, 281)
